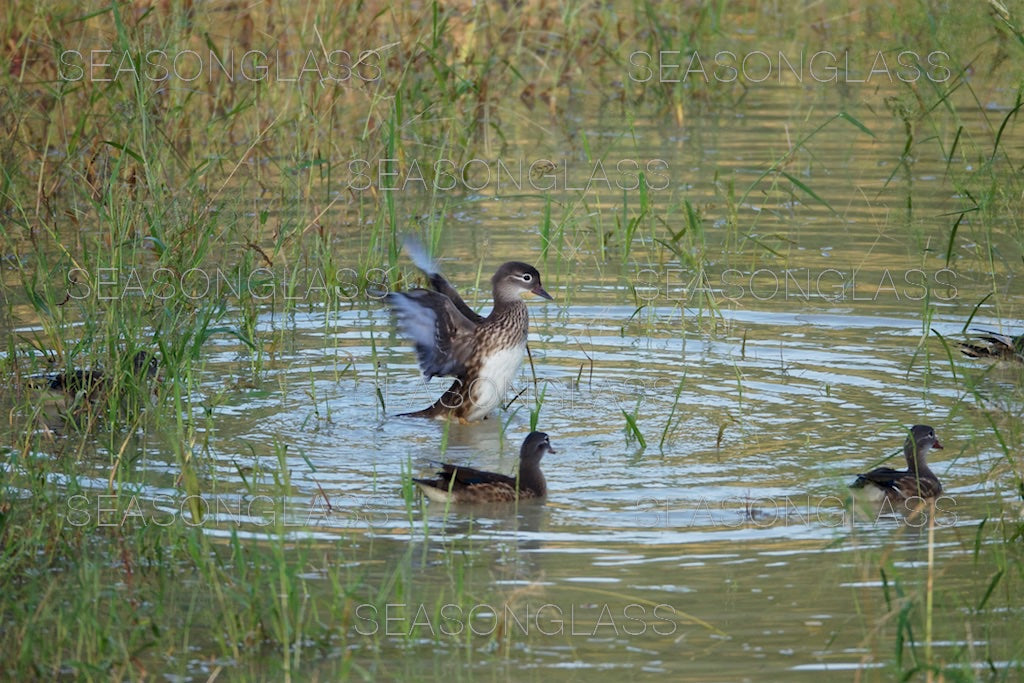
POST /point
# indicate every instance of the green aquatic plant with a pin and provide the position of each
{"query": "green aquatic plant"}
(632, 428)
(109, 179)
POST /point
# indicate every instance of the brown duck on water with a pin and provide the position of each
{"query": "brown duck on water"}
(989, 344)
(94, 382)
(457, 484)
(917, 481)
(483, 354)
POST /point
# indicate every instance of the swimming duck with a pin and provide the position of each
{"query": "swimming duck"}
(457, 484)
(917, 481)
(995, 345)
(73, 399)
(92, 384)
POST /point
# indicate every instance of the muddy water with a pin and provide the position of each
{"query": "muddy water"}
(782, 353)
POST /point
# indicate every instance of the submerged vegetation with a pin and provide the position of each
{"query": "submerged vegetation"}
(186, 180)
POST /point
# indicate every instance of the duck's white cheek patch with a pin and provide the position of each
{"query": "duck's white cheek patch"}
(495, 378)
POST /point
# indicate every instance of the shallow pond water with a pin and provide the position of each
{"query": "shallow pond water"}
(761, 381)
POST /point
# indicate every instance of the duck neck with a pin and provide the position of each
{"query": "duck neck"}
(917, 463)
(510, 314)
(505, 305)
(531, 478)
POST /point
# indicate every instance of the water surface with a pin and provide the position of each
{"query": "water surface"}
(763, 379)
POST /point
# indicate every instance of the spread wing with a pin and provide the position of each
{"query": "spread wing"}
(441, 285)
(443, 337)
(418, 253)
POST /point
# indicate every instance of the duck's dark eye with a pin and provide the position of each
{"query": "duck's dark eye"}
(527, 277)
